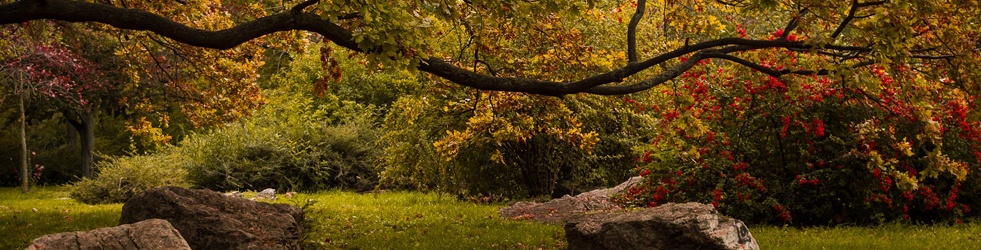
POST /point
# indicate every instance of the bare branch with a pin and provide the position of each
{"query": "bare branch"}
(632, 31)
(778, 73)
(792, 25)
(933, 56)
(851, 15)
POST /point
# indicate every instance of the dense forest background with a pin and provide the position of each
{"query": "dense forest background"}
(821, 113)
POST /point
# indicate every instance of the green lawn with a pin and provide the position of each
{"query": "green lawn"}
(889, 236)
(399, 220)
(409, 220)
(46, 210)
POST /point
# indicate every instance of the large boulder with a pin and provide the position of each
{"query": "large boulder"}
(149, 235)
(669, 226)
(567, 208)
(211, 220)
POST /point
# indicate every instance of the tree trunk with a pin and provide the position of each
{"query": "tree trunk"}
(24, 173)
(86, 131)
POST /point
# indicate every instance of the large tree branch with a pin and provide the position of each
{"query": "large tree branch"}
(780, 73)
(296, 19)
(665, 76)
(134, 19)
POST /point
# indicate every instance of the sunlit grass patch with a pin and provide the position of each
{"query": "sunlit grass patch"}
(47, 210)
(888, 236)
(399, 220)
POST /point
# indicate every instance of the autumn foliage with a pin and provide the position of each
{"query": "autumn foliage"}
(876, 144)
(804, 112)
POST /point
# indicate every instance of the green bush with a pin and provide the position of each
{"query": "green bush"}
(291, 146)
(119, 178)
(299, 140)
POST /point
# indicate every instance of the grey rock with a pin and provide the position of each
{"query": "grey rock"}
(268, 193)
(669, 226)
(607, 192)
(567, 208)
(211, 220)
(149, 234)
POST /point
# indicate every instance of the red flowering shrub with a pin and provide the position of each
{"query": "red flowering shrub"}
(875, 145)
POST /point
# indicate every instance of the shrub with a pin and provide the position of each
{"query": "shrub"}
(505, 144)
(813, 150)
(300, 140)
(290, 146)
(119, 178)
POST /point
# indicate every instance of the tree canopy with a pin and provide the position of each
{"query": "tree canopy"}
(661, 39)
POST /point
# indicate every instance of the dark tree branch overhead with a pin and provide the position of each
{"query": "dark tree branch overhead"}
(296, 19)
(779, 73)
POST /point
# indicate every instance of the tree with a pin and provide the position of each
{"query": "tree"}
(59, 78)
(939, 38)
(154, 82)
(520, 46)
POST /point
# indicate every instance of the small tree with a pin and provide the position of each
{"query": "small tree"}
(59, 78)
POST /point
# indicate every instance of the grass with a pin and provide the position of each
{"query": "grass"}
(400, 220)
(393, 220)
(410, 220)
(47, 210)
(888, 236)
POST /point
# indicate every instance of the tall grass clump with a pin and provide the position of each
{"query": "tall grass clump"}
(122, 177)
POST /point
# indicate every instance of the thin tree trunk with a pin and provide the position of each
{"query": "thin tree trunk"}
(25, 175)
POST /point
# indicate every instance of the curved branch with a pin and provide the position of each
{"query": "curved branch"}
(133, 19)
(778, 73)
(665, 76)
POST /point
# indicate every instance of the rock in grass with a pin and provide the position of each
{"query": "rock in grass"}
(669, 226)
(148, 234)
(567, 208)
(268, 193)
(211, 220)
